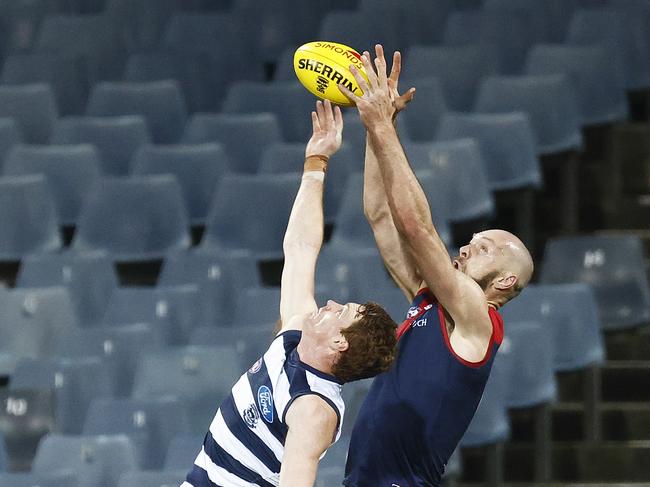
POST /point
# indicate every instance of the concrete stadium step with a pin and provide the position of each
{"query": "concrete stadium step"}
(622, 381)
(572, 462)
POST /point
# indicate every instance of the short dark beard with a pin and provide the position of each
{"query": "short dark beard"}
(486, 280)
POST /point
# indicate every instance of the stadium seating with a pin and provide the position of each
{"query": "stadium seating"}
(219, 278)
(459, 166)
(118, 346)
(265, 310)
(19, 23)
(33, 107)
(549, 101)
(507, 145)
(90, 38)
(182, 451)
(135, 219)
(30, 322)
(98, 460)
(89, 277)
(172, 309)
(149, 423)
(26, 416)
(9, 135)
(285, 158)
(75, 382)
(200, 74)
(153, 479)
(71, 172)
(200, 376)
(116, 138)
(197, 167)
(421, 118)
(244, 136)
(139, 25)
(599, 91)
(511, 32)
(612, 265)
(458, 68)
(59, 71)
(161, 103)
(3, 454)
(570, 313)
(362, 30)
(289, 101)
(62, 479)
(242, 218)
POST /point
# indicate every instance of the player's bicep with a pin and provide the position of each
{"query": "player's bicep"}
(297, 285)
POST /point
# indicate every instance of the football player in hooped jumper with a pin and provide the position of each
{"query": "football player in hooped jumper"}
(283, 414)
(416, 413)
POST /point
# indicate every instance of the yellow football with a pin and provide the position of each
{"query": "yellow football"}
(321, 66)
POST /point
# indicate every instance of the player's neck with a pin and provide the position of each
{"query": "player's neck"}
(316, 355)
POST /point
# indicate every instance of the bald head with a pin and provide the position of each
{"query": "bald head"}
(517, 261)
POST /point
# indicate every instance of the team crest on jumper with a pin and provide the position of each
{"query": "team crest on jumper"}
(255, 368)
(265, 403)
(413, 310)
(251, 416)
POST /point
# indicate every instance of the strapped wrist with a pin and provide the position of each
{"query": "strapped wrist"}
(316, 163)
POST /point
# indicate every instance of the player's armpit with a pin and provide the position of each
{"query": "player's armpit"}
(312, 427)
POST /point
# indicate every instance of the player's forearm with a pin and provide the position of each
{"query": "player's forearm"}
(305, 227)
(299, 473)
(375, 204)
(406, 199)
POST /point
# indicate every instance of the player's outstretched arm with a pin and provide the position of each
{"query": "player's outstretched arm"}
(407, 201)
(390, 243)
(312, 428)
(304, 236)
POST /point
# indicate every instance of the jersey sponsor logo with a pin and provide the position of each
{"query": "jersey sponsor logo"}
(255, 368)
(251, 416)
(265, 403)
(420, 323)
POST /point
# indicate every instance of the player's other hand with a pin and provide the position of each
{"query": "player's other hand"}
(327, 135)
(380, 101)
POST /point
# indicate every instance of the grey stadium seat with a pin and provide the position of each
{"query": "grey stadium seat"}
(10, 135)
(33, 107)
(153, 478)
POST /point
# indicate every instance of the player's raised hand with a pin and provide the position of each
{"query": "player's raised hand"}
(327, 133)
(400, 101)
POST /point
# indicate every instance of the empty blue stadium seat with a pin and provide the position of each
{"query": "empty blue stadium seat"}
(242, 218)
(91, 38)
(161, 103)
(507, 144)
(149, 423)
(200, 376)
(219, 277)
(511, 32)
(134, 219)
(570, 311)
(28, 216)
(422, 117)
(10, 135)
(625, 35)
(289, 158)
(362, 30)
(118, 346)
(612, 265)
(26, 416)
(182, 451)
(140, 24)
(30, 322)
(173, 309)
(458, 68)
(197, 167)
(265, 310)
(528, 349)
(20, 22)
(355, 136)
(75, 382)
(89, 277)
(62, 479)
(71, 172)
(460, 167)
(99, 461)
(250, 341)
(201, 74)
(60, 71)
(352, 229)
(548, 100)
(289, 101)
(600, 93)
(257, 131)
(284, 70)
(116, 138)
(153, 478)
(332, 475)
(3, 454)
(33, 107)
